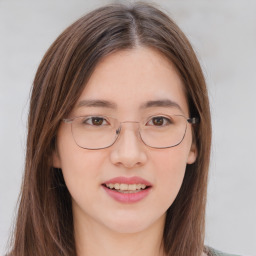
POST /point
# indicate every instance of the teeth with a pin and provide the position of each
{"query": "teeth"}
(111, 185)
(123, 186)
(126, 187)
(133, 186)
(143, 186)
(117, 186)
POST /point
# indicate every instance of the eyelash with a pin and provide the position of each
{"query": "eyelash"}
(90, 119)
(164, 121)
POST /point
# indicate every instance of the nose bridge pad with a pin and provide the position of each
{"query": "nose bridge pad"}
(137, 132)
(118, 130)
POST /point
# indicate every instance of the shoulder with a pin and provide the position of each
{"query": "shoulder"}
(214, 252)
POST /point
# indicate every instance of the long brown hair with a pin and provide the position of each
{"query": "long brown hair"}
(44, 221)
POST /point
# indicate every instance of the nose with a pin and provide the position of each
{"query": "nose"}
(129, 150)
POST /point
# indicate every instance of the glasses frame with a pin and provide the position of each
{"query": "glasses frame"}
(190, 120)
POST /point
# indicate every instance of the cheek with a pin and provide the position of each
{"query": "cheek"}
(170, 166)
(172, 161)
(80, 167)
(81, 172)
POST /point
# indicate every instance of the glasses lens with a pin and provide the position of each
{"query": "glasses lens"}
(94, 132)
(164, 131)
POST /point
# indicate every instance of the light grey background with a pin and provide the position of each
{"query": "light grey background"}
(223, 34)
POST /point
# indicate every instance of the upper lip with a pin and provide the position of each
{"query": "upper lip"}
(128, 180)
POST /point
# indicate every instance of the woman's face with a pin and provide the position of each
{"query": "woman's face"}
(127, 85)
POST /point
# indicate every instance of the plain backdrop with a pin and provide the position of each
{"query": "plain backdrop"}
(223, 34)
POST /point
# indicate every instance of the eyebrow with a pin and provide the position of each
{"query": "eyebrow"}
(97, 103)
(149, 104)
(161, 103)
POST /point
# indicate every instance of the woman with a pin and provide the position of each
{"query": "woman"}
(118, 145)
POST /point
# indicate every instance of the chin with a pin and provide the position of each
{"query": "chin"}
(128, 224)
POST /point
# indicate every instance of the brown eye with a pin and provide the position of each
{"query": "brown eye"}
(94, 121)
(158, 121)
(97, 121)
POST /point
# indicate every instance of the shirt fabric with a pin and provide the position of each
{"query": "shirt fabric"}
(213, 252)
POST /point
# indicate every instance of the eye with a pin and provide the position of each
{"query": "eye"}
(159, 121)
(95, 121)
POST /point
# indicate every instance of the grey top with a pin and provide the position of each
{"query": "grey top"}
(213, 252)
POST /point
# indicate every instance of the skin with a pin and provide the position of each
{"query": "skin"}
(127, 78)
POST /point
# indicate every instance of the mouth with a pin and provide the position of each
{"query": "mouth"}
(126, 188)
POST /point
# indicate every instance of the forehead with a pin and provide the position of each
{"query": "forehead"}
(129, 78)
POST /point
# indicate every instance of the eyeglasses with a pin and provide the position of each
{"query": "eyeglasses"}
(158, 131)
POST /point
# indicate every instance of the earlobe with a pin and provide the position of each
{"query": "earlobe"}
(56, 160)
(192, 156)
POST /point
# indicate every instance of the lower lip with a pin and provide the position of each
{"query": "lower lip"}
(127, 197)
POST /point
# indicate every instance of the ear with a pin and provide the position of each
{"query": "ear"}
(56, 159)
(192, 155)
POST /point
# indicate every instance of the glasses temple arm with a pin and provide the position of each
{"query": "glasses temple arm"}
(193, 120)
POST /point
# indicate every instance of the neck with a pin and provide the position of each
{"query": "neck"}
(94, 239)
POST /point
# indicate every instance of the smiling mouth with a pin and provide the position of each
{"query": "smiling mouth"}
(126, 188)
